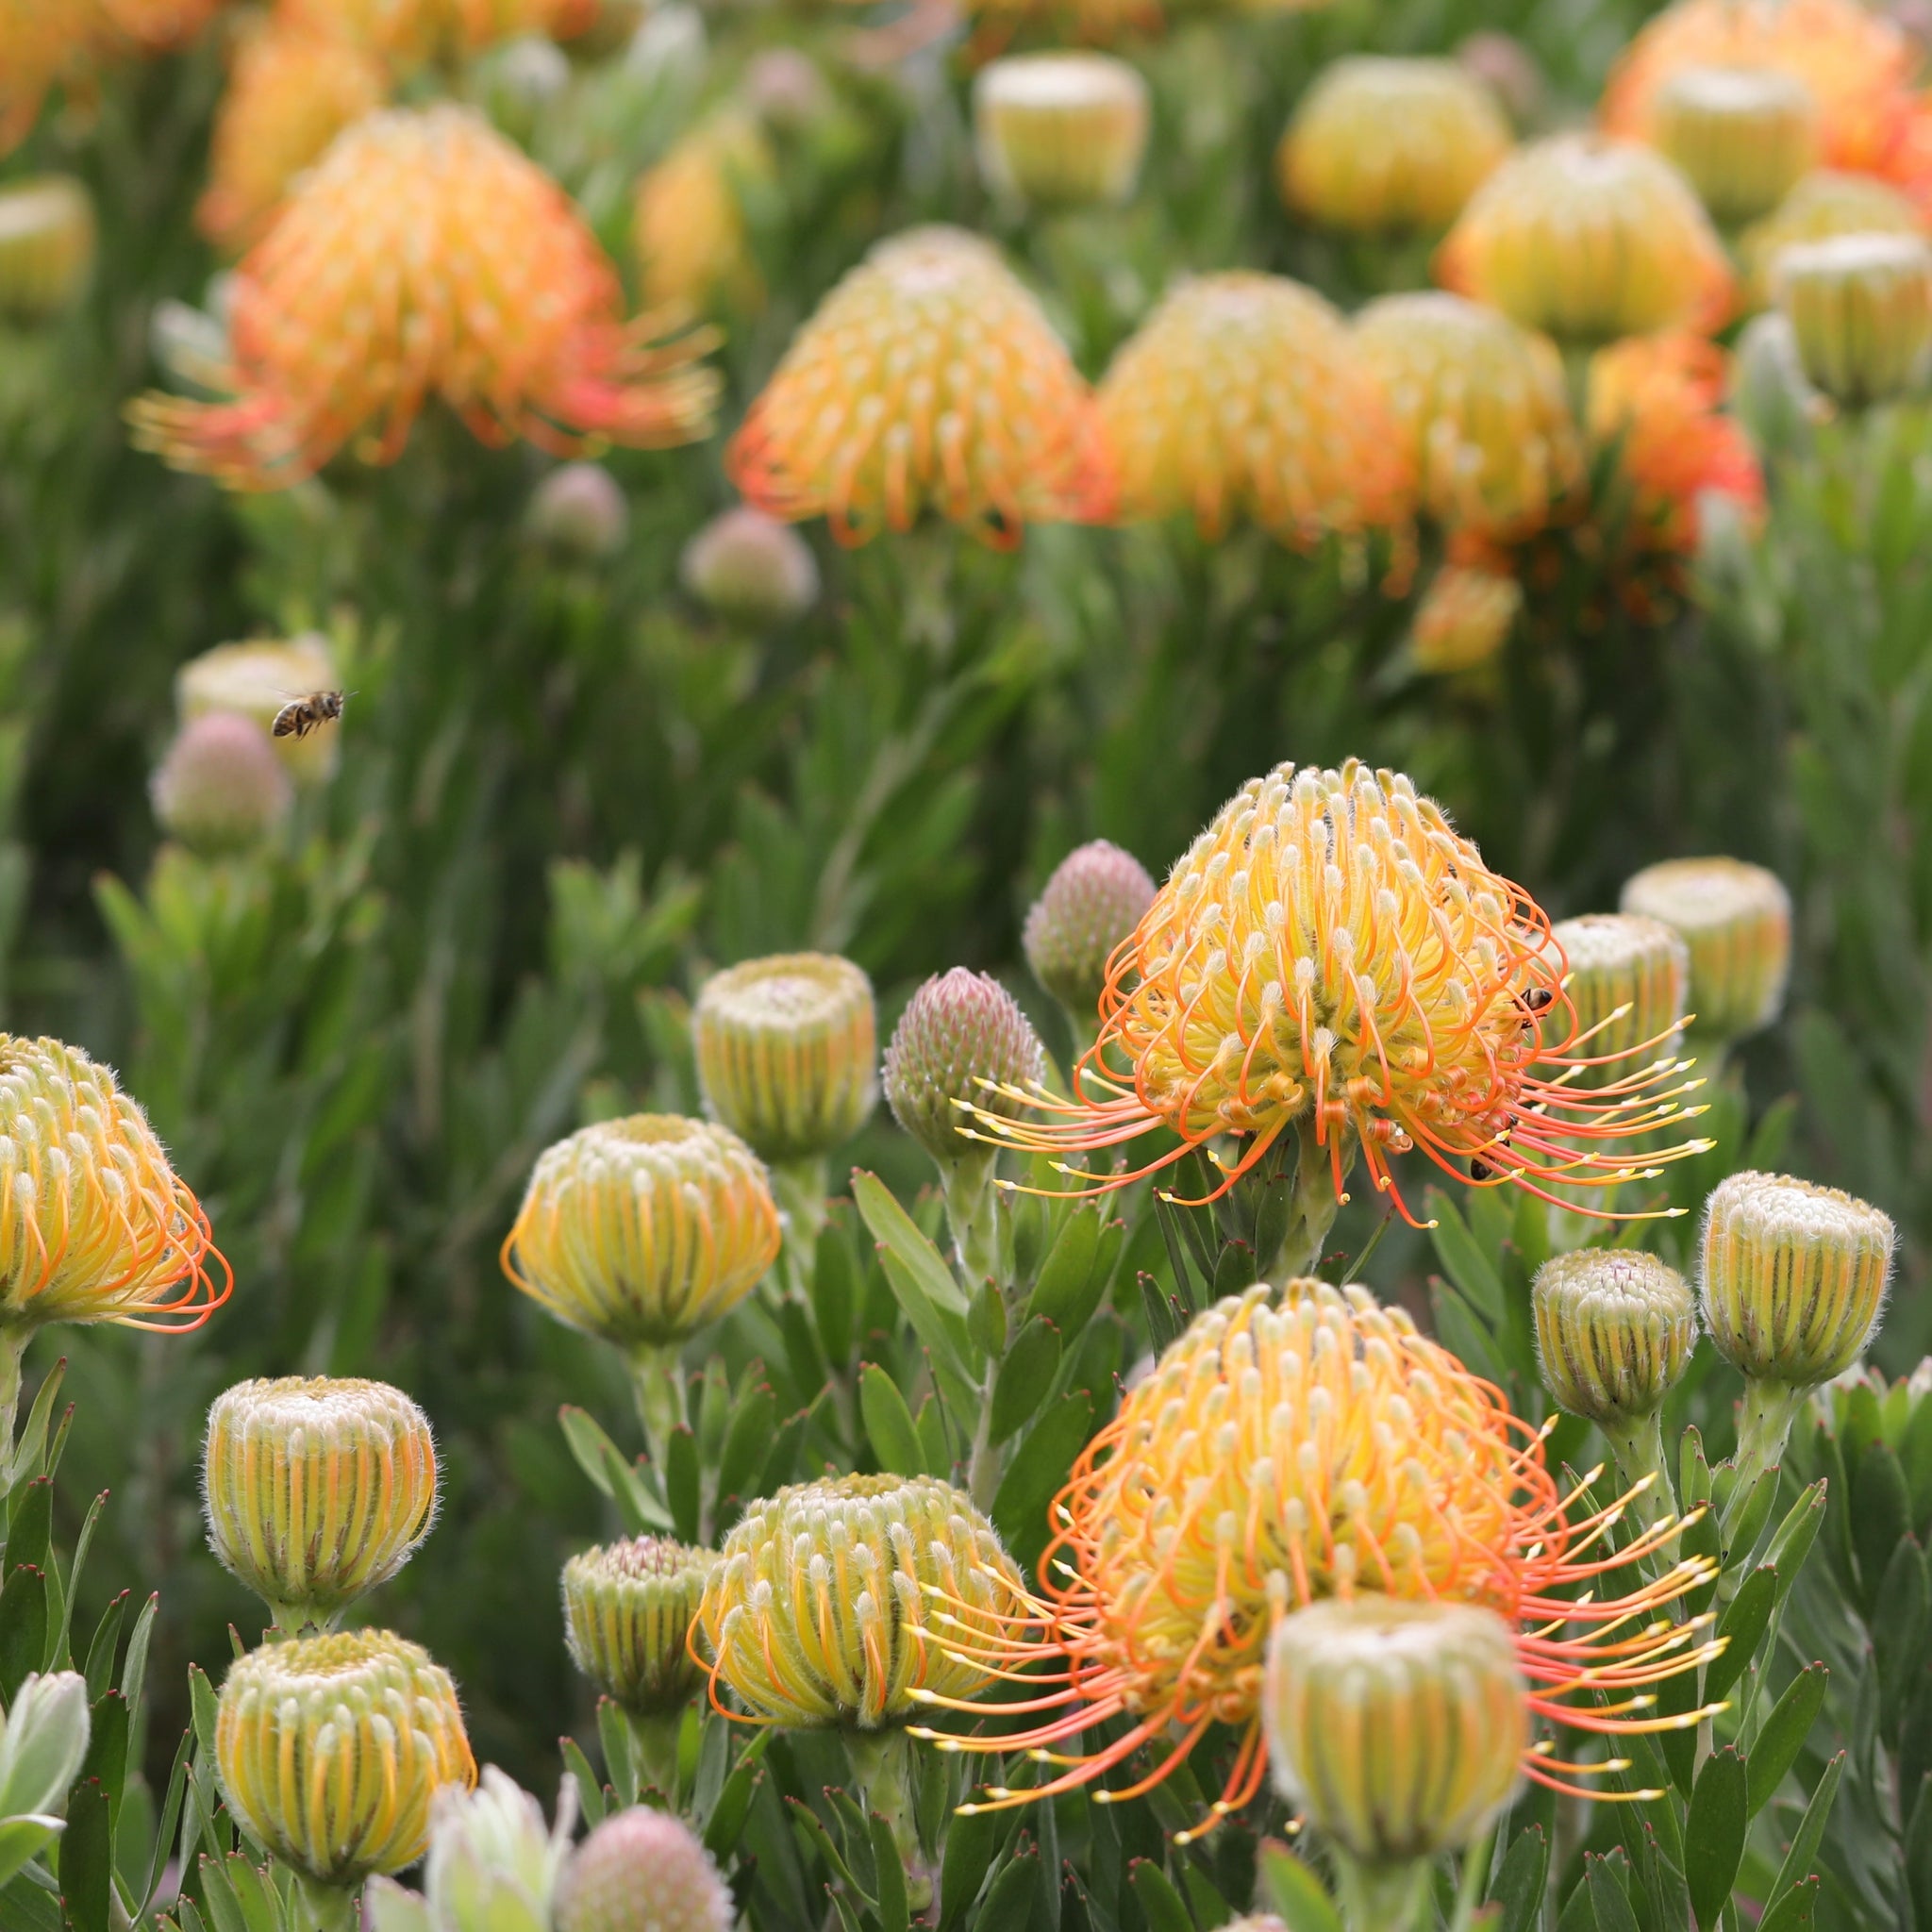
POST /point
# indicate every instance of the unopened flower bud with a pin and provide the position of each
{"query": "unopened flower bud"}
(1508, 69)
(1743, 135)
(1626, 976)
(643, 1871)
(1060, 130)
(579, 512)
(641, 1230)
(47, 245)
(516, 82)
(330, 1751)
(1092, 900)
(1464, 618)
(783, 87)
(786, 1049)
(1736, 921)
(43, 1740)
(1861, 308)
(751, 570)
(961, 1038)
(255, 680)
(317, 1490)
(1614, 1328)
(220, 789)
(494, 1864)
(628, 1609)
(1770, 394)
(1793, 1276)
(1824, 203)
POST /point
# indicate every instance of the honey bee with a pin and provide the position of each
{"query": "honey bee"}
(300, 716)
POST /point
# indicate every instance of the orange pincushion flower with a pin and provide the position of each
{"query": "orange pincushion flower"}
(40, 42)
(1663, 396)
(927, 379)
(409, 31)
(426, 255)
(1331, 957)
(688, 218)
(1292, 1448)
(1244, 395)
(293, 90)
(155, 26)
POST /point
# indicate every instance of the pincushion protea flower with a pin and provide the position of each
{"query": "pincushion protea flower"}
(1289, 1450)
(426, 255)
(1736, 921)
(1244, 395)
(687, 216)
(1861, 310)
(1743, 135)
(1465, 616)
(1825, 203)
(928, 379)
(1331, 957)
(41, 42)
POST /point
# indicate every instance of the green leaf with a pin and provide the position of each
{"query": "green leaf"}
(87, 1859)
(970, 1840)
(1164, 1319)
(106, 1749)
(1463, 1260)
(888, 1423)
(895, 1913)
(30, 1524)
(1918, 1858)
(589, 1786)
(601, 1459)
(169, 1820)
(684, 1483)
(1038, 1470)
(20, 1838)
(106, 1647)
(1167, 1911)
(1609, 1904)
(134, 1666)
(1898, 1635)
(1782, 1735)
(1881, 1515)
(1714, 1834)
(1793, 1912)
(1009, 1900)
(29, 1453)
(746, 1441)
(1740, 1629)
(1071, 1279)
(781, 1460)
(1024, 1378)
(1803, 1849)
(899, 1237)
(23, 1629)
(1518, 1888)
(1300, 1899)
(619, 1758)
(1791, 1545)
(726, 1824)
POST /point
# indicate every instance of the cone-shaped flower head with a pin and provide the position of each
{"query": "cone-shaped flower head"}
(1861, 309)
(1614, 1330)
(1481, 408)
(1383, 145)
(841, 1603)
(961, 1036)
(1588, 238)
(43, 1741)
(1092, 901)
(1397, 1730)
(579, 511)
(1060, 130)
(95, 1226)
(1628, 980)
(1331, 951)
(426, 255)
(221, 788)
(751, 570)
(493, 1863)
(316, 1490)
(1736, 921)
(1742, 134)
(1793, 1276)
(1823, 203)
(628, 1609)
(1465, 617)
(291, 91)
(786, 1049)
(255, 680)
(688, 217)
(928, 379)
(47, 245)
(330, 1751)
(1244, 395)
(643, 1871)
(641, 1230)
(1291, 1447)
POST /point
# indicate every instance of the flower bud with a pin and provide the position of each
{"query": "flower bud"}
(1793, 1276)
(1861, 307)
(1383, 145)
(1398, 1727)
(43, 1740)
(751, 570)
(255, 680)
(1770, 395)
(316, 1490)
(46, 247)
(1092, 900)
(1627, 978)
(579, 512)
(960, 1031)
(628, 1609)
(641, 1230)
(1464, 618)
(786, 1048)
(1060, 130)
(1614, 1330)
(494, 1864)
(643, 1871)
(687, 216)
(1743, 135)
(1822, 204)
(847, 1602)
(221, 788)
(783, 87)
(330, 1751)
(1508, 69)
(516, 82)
(1736, 921)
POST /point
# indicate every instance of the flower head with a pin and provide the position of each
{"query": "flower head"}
(579, 511)
(316, 1490)
(1092, 901)
(1627, 980)
(1742, 134)
(492, 1862)
(1243, 394)
(95, 1226)
(786, 1048)
(1060, 130)
(426, 255)
(688, 217)
(221, 788)
(47, 245)
(928, 379)
(1614, 1331)
(330, 1751)
(44, 1738)
(832, 1599)
(1465, 617)
(961, 1039)
(1330, 951)
(641, 1230)
(1736, 921)
(1588, 238)
(643, 1871)
(255, 680)
(1861, 310)
(407, 33)
(1381, 144)
(750, 569)
(628, 1610)
(1822, 204)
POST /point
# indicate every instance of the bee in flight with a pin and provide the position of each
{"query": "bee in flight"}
(300, 716)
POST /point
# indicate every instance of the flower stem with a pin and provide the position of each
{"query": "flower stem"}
(1763, 1423)
(972, 1214)
(654, 1739)
(326, 1907)
(1380, 1898)
(1316, 1202)
(800, 1188)
(1639, 1448)
(657, 1378)
(882, 1765)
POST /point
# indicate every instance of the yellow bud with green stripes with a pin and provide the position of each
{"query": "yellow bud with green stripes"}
(1736, 921)
(628, 1608)
(1614, 1331)
(1627, 978)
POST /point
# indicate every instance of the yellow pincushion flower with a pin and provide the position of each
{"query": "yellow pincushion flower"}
(1742, 134)
(1380, 145)
(628, 1611)
(843, 1602)
(254, 679)
(1589, 239)
(1482, 410)
(1822, 204)
(47, 245)
(1242, 395)
(1736, 919)
(1614, 1331)
(927, 380)
(687, 218)
(426, 255)
(1061, 129)
(1861, 311)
